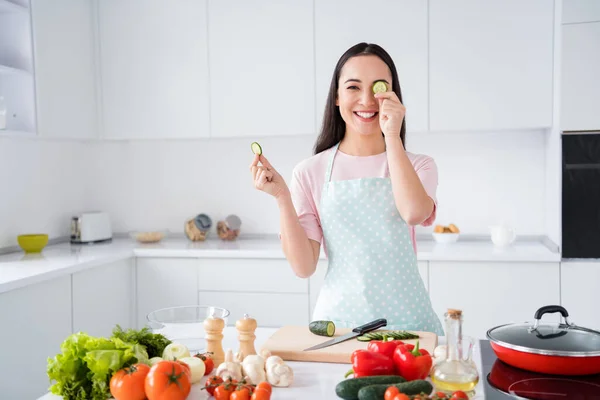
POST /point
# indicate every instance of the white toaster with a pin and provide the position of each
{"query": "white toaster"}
(91, 227)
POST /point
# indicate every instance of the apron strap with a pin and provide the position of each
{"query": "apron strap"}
(330, 164)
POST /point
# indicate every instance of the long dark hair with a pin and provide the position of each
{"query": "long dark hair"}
(333, 128)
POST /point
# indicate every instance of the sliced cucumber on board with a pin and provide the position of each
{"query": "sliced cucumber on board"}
(395, 335)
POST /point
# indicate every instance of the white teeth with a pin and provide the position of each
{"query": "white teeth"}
(365, 115)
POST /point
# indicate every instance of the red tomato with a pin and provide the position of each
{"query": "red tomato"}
(391, 392)
(212, 383)
(128, 383)
(266, 386)
(241, 393)
(261, 394)
(168, 380)
(459, 394)
(441, 395)
(208, 362)
(401, 396)
(224, 391)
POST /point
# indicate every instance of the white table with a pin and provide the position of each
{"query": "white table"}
(311, 380)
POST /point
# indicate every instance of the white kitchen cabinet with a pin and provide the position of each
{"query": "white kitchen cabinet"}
(65, 76)
(338, 28)
(493, 293)
(578, 11)
(16, 68)
(103, 297)
(261, 68)
(154, 69)
(35, 321)
(580, 89)
(580, 292)
(490, 64)
(165, 282)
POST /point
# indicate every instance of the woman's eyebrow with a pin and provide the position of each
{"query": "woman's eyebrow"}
(359, 81)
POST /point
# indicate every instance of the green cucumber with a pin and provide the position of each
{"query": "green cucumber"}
(322, 328)
(376, 392)
(378, 335)
(256, 149)
(379, 87)
(349, 388)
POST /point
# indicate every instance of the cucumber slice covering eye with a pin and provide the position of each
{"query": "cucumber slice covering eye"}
(256, 149)
(379, 87)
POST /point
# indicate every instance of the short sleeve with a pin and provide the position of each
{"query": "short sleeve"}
(428, 174)
(305, 205)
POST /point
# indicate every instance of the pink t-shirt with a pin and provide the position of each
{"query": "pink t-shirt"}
(309, 176)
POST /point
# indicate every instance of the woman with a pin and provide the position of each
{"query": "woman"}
(361, 194)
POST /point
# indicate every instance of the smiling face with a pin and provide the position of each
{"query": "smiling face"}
(355, 98)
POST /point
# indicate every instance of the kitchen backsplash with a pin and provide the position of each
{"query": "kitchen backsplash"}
(484, 178)
(43, 183)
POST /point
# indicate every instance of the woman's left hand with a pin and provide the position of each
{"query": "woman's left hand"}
(391, 113)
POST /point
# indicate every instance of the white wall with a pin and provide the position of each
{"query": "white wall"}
(43, 183)
(485, 178)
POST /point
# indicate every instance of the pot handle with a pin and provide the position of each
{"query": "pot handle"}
(551, 309)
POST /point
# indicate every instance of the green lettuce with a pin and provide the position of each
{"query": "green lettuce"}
(85, 365)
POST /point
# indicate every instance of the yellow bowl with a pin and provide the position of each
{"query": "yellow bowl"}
(33, 243)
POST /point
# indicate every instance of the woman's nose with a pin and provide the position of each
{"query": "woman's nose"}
(367, 98)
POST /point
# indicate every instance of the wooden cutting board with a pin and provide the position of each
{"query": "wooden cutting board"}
(290, 341)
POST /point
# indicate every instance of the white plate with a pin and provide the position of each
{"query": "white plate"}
(445, 237)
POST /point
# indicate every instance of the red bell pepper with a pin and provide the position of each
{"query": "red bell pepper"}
(369, 363)
(384, 347)
(411, 362)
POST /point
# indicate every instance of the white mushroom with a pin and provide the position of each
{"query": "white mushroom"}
(278, 372)
(253, 367)
(229, 368)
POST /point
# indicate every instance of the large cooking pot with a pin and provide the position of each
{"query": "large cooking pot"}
(548, 348)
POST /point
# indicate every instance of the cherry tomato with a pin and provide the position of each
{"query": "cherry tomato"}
(128, 383)
(401, 396)
(168, 380)
(459, 394)
(441, 395)
(261, 394)
(391, 392)
(208, 362)
(241, 393)
(223, 391)
(212, 383)
(266, 386)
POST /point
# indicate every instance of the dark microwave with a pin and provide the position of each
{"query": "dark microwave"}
(581, 195)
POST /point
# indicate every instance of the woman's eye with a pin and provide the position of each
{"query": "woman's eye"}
(352, 87)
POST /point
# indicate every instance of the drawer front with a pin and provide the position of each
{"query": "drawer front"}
(249, 275)
(269, 310)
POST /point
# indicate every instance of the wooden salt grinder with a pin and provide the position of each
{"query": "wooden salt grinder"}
(214, 339)
(246, 327)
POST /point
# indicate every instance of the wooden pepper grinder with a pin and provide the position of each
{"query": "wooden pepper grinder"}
(246, 327)
(214, 338)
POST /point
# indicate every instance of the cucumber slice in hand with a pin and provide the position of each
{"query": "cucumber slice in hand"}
(379, 87)
(256, 149)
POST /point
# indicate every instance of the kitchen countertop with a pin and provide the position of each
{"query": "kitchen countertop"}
(311, 380)
(18, 269)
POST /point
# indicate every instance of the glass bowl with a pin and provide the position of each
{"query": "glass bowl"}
(185, 324)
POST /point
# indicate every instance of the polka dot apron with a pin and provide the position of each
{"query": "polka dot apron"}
(373, 270)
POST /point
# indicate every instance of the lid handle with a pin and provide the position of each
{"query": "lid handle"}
(551, 309)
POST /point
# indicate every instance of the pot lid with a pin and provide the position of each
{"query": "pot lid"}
(560, 339)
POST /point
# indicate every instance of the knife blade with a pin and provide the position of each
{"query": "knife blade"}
(361, 330)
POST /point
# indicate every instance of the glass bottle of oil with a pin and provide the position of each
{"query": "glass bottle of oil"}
(457, 371)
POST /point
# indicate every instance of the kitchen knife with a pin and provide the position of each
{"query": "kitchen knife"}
(361, 330)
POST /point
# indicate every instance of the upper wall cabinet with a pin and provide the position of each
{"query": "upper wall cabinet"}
(16, 69)
(63, 32)
(491, 64)
(404, 37)
(261, 68)
(577, 11)
(580, 91)
(154, 68)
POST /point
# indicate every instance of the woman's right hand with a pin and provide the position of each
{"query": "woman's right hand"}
(266, 178)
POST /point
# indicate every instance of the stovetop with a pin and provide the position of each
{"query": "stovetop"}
(499, 378)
